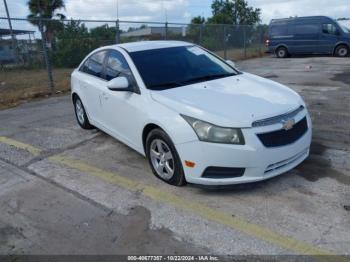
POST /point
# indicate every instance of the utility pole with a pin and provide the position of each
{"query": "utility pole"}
(117, 32)
(14, 43)
(117, 9)
(117, 26)
(46, 55)
(166, 20)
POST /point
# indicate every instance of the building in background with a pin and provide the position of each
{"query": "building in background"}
(153, 32)
(24, 45)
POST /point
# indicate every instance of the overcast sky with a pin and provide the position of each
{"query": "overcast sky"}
(182, 10)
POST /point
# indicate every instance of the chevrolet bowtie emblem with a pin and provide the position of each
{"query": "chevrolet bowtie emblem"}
(288, 124)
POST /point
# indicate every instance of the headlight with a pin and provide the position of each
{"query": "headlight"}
(210, 133)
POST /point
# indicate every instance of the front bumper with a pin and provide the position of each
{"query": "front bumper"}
(260, 162)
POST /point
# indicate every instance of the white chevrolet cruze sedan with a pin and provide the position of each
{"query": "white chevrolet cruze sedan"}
(194, 116)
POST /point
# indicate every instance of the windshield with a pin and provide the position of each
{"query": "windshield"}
(343, 27)
(178, 66)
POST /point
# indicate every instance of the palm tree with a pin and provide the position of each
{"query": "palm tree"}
(47, 9)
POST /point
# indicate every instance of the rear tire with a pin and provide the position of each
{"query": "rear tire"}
(164, 159)
(281, 52)
(341, 51)
(80, 114)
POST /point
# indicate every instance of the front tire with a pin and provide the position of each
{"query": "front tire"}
(80, 114)
(164, 159)
(341, 51)
(282, 52)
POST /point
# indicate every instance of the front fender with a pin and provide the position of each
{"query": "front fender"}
(172, 123)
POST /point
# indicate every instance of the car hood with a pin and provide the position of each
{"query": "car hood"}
(235, 101)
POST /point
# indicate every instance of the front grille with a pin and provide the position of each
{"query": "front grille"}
(284, 137)
(223, 172)
(277, 119)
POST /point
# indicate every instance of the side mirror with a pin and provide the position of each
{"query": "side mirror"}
(120, 83)
(231, 63)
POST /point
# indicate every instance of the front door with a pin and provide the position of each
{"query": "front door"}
(329, 38)
(122, 115)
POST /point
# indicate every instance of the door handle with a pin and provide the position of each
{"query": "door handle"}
(104, 96)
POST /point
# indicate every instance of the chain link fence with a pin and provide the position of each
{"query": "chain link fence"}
(38, 56)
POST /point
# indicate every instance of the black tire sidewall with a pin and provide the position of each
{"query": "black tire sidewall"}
(86, 124)
(178, 179)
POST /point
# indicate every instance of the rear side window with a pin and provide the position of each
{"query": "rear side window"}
(329, 29)
(94, 64)
(116, 66)
(306, 29)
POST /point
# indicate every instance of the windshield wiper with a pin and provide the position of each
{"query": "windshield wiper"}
(188, 81)
(205, 78)
(166, 85)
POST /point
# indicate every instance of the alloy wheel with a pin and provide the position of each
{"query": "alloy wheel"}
(80, 111)
(162, 159)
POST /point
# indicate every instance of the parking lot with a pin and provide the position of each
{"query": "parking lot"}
(64, 190)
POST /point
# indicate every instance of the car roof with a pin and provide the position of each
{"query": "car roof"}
(299, 18)
(149, 45)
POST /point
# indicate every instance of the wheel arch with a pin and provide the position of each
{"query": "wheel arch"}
(146, 130)
(339, 44)
(74, 96)
(281, 45)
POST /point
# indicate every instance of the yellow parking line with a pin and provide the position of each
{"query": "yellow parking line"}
(193, 207)
(94, 171)
(202, 210)
(31, 149)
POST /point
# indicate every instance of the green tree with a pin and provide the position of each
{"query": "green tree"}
(195, 29)
(236, 12)
(73, 44)
(103, 32)
(198, 20)
(227, 12)
(47, 9)
(130, 29)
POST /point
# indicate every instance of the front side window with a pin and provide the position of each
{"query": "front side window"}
(178, 66)
(116, 66)
(94, 64)
(329, 29)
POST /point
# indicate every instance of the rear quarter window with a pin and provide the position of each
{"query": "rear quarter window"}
(281, 30)
(307, 29)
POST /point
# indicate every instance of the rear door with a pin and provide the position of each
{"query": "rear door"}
(281, 33)
(329, 37)
(92, 83)
(307, 37)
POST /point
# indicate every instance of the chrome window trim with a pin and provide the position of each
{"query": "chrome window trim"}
(277, 119)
